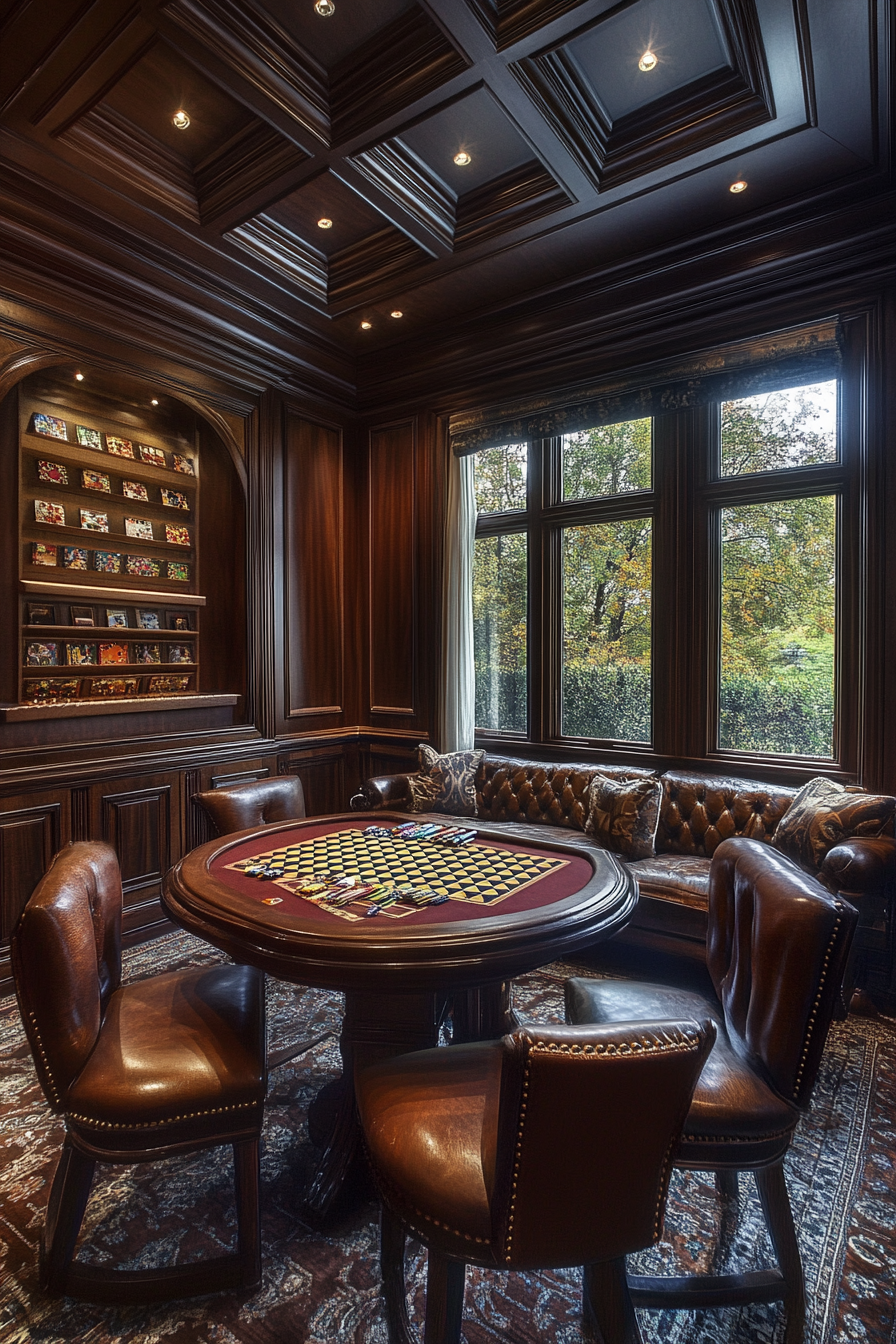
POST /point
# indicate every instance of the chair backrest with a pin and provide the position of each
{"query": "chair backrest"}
(776, 947)
(256, 803)
(66, 961)
(587, 1122)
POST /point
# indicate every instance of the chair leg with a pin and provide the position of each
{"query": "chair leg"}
(609, 1317)
(247, 1181)
(775, 1201)
(65, 1213)
(444, 1299)
(392, 1271)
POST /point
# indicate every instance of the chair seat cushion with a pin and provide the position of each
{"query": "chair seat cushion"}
(683, 878)
(179, 1059)
(430, 1121)
(735, 1118)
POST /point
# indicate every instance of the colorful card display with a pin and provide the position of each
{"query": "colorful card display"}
(73, 557)
(107, 562)
(42, 554)
(38, 654)
(141, 528)
(174, 499)
(108, 687)
(96, 480)
(119, 447)
(45, 512)
(80, 655)
(165, 685)
(177, 536)
(89, 438)
(135, 490)
(48, 692)
(49, 426)
(94, 521)
(176, 621)
(148, 653)
(114, 653)
(179, 571)
(82, 616)
(154, 456)
(182, 464)
(53, 472)
(181, 653)
(116, 618)
(148, 620)
(143, 567)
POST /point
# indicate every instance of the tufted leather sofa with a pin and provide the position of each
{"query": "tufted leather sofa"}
(698, 811)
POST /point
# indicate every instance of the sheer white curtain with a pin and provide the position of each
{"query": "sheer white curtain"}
(458, 689)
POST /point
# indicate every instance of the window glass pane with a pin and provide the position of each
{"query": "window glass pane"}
(499, 478)
(793, 428)
(606, 630)
(500, 588)
(778, 613)
(608, 460)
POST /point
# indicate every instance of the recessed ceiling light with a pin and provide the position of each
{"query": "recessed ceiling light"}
(396, 312)
(181, 120)
(365, 326)
(738, 186)
(155, 401)
(324, 8)
(79, 377)
(325, 223)
(462, 159)
(647, 61)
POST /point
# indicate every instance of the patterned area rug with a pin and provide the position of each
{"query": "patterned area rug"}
(318, 1289)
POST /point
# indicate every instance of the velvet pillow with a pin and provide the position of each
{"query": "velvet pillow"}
(445, 783)
(623, 815)
(824, 813)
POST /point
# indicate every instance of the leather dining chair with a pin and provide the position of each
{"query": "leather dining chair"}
(256, 803)
(776, 950)
(547, 1148)
(158, 1068)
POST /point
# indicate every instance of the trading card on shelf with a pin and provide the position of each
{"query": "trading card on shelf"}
(42, 554)
(89, 438)
(143, 567)
(41, 655)
(80, 655)
(45, 512)
(46, 692)
(178, 570)
(177, 621)
(165, 685)
(73, 557)
(141, 528)
(181, 653)
(39, 613)
(107, 562)
(116, 618)
(135, 490)
(148, 620)
(94, 521)
(96, 480)
(114, 653)
(154, 456)
(112, 686)
(119, 447)
(50, 426)
(174, 499)
(54, 472)
(82, 616)
(148, 653)
(182, 464)
(178, 536)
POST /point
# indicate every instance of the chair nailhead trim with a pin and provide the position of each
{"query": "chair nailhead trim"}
(814, 1013)
(736, 1138)
(427, 1218)
(57, 1100)
(159, 1124)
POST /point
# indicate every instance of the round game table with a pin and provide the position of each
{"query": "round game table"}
(511, 907)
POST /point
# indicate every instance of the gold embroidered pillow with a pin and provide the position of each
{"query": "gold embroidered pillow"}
(445, 783)
(623, 815)
(824, 813)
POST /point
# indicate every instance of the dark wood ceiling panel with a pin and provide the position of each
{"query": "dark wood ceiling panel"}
(333, 38)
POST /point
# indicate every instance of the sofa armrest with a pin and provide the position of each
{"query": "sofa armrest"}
(383, 791)
(860, 868)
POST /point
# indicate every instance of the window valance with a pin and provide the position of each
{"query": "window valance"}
(741, 369)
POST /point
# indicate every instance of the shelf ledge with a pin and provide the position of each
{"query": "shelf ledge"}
(74, 709)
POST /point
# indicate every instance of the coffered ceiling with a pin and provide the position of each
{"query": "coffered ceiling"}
(319, 170)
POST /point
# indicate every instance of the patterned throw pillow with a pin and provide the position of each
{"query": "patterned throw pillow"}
(824, 813)
(445, 783)
(623, 815)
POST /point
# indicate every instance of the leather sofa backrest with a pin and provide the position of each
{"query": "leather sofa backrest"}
(509, 789)
(699, 811)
